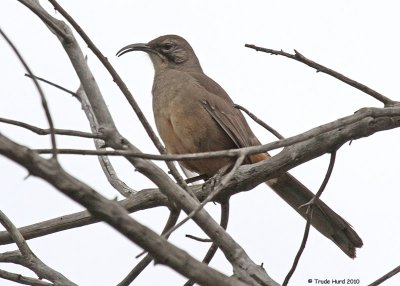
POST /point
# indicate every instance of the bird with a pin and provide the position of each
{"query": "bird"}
(194, 114)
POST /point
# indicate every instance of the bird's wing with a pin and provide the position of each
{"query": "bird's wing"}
(220, 107)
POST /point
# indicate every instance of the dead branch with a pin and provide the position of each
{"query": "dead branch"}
(29, 259)
(41, 131)
(40, 91)
(320, 68)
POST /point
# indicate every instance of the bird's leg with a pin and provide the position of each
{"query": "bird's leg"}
(214, 181)
(196, 178)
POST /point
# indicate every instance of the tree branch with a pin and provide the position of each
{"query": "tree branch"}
(172, 219)
(361, 124)
(41, 131)
(20, 279)
(386, 276)
(112, 213)
(310, 207)
(30, 260)
(213, 248)
(54, 85)
(259, 121)
(363, 114)
(320, 68)
(41, 93)
(105, 163)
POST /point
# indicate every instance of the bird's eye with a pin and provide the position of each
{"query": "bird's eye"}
(168, 46)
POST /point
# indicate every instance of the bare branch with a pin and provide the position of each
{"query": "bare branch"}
(41, 93)
(213, 248)
(320, 68)
(144, 199)
(41, 131)
(20, 279)
(172, 219)
(386, 276)
(310, 206)
(31, 261)
(259, 121)
(112, 213)
(55, 85)
(198, 238)
(212, 195)
(14, 256)
(384, 114)
(317, 141)
(228, 246)
(104, 161)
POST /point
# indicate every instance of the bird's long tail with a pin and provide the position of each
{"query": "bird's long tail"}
(324, 219)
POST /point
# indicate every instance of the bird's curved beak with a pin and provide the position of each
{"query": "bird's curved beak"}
(138, 47)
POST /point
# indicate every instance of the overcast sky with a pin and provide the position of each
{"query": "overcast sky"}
(357, 38)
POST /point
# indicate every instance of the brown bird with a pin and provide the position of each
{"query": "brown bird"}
(194, 114)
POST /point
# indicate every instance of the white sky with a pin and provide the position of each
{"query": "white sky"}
(357, 38)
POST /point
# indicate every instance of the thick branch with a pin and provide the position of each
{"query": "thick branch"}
(29, 259)
(363, 123)
(18, 278)
(243, 266)
(112, 213)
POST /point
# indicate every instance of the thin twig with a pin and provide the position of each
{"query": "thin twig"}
(41, 93)
(309, 217)
(386, 276)
(41, 131)
(213, 248)
(198, 238)
(320, 68)
(172, 219)
(259, 121)
(55, 85)
(117, 79)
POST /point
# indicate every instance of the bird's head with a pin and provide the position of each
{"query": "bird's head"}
(169, 51)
